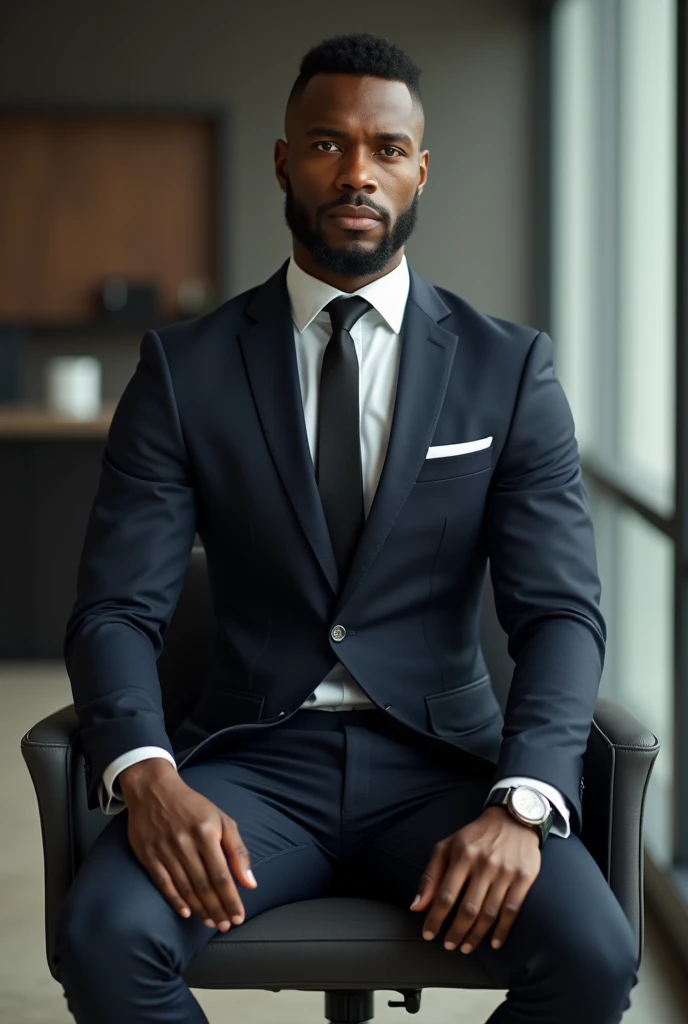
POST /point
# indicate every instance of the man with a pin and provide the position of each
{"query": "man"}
(352, 445)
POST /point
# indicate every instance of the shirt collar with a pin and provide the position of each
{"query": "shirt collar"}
(308, 295)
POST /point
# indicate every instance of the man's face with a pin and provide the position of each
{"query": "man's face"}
(354, 147)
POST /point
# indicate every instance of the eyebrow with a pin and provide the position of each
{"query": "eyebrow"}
(381, 136)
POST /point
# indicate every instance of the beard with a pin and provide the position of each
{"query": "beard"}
(352, 259)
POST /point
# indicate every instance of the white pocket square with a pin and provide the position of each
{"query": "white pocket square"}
(440, 451)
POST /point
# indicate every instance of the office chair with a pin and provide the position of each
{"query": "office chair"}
(340, 944)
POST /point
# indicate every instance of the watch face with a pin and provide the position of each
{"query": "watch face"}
(529, 803)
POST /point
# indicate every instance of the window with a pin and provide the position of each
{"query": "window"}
(614, 326)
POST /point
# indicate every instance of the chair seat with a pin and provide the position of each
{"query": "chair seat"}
(333, 943)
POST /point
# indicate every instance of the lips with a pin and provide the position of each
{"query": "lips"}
(356, 218)
(355, 211)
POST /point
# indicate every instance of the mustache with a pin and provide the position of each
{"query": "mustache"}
(358, 201)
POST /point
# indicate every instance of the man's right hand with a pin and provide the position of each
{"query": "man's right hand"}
(184, 842)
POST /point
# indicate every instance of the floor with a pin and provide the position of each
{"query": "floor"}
(29, 995)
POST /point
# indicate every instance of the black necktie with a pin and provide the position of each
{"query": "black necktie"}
(339, 476)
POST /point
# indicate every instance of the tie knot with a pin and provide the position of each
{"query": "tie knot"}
(345, 312)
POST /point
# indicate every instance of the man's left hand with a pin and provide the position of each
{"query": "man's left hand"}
(500, 858)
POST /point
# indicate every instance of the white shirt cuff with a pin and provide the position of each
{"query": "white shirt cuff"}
(561, 824)
(109, 793)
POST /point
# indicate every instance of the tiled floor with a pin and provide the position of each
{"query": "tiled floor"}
(29, 995)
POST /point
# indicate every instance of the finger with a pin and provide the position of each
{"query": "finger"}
(446, 895)
(237, 854)
(194, 866)
(162, 880)
(470, 906)
(513, 901)
(181, 883)
(489, 912)
(430, 877)
(217, 868)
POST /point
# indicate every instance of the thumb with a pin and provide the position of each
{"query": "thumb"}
(237, 854)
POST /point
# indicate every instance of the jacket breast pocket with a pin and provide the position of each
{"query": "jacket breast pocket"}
(463, 710)
(451, 467)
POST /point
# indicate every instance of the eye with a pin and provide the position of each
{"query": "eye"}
(391, 150)
(325, 144)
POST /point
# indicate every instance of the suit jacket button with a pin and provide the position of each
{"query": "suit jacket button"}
(338, 633)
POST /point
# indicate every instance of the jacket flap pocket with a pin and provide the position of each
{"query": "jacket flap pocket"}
(463, 709)
(235, 707)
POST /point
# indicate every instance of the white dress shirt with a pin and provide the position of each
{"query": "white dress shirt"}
(376, 337)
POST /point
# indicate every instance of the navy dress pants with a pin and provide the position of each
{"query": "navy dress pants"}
(324, 790)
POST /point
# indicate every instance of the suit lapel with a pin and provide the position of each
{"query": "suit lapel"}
(270, 357)
(427, 354)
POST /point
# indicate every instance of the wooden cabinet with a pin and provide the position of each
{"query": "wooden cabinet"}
(48, 480)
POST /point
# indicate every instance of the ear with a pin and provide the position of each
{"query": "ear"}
(424, 161)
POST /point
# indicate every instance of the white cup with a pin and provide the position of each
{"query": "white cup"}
(73, 386)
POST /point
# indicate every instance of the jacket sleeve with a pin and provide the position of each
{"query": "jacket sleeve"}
(547, 590)
(135, 555)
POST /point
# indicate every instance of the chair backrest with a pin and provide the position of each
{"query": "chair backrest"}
(189, 638)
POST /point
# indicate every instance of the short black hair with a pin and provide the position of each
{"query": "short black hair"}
(359, 53)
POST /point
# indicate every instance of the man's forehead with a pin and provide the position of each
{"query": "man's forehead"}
(345, 100)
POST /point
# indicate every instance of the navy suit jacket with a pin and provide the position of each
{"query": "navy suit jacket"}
(209, 437)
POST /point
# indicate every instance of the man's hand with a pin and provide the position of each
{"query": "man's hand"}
(181, 839)
(501, 857)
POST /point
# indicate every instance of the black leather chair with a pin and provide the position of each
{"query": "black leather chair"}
(340, 944)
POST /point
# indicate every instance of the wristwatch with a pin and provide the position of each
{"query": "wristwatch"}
(527, 805)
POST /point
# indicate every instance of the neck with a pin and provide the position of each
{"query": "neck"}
(305, 261)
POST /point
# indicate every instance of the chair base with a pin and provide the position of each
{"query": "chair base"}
(357, 1007)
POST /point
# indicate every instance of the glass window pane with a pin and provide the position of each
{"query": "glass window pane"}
(646, 249)
(613, 234)
(636, 568)
(573, 208)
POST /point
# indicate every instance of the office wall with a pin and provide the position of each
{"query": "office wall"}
(476, 229)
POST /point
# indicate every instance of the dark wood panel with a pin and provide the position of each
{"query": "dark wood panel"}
(47, 492)
(16, 532)
(65, 479)
(83, 198)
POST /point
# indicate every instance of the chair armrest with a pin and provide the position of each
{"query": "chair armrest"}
(618, 762)
(52, 752)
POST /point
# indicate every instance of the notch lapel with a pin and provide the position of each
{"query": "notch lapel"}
(427, 355)
(270, 358)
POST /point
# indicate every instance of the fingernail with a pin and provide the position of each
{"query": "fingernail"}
(428, 935)
(496, 943)
(237, 919)
(251, 877)
(224, 926)
(185, 911)
(416, 900)
(466, 948)
(210, 924)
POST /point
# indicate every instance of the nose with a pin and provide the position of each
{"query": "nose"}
(356, 172)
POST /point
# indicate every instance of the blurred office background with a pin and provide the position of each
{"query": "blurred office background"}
(136, 144)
